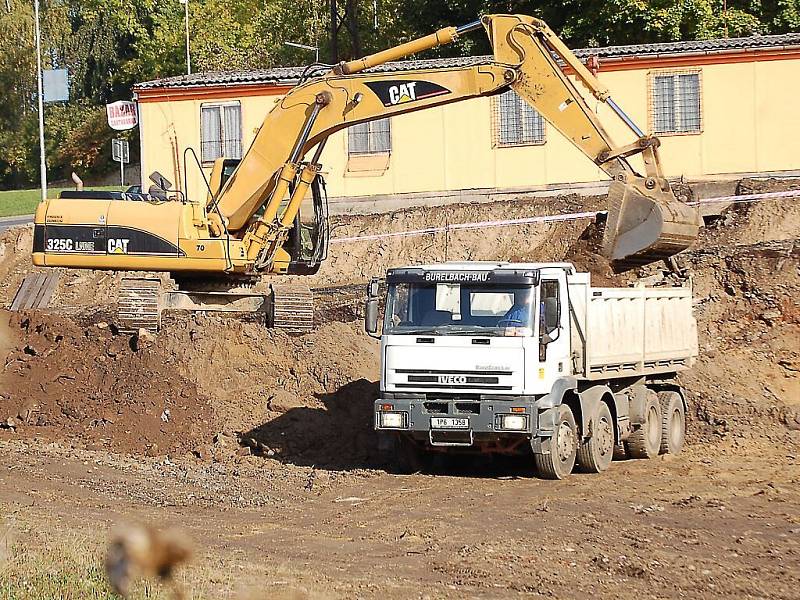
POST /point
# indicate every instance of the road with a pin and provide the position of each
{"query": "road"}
(8, 222)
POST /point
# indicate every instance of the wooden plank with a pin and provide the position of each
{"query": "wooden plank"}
(35, 291)
(22, 294)
(46, 290)
(36, 286)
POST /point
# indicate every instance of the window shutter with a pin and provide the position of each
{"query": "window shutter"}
(510, 122)
(689, 86)
(381, 138)
(211, 134)
(374, 137)
(232, 126)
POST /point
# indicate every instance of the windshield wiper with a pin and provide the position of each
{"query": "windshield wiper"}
(410, 330)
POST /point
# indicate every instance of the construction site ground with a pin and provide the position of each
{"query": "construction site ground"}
(260, 445)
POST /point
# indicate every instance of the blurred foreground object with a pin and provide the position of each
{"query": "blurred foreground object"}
(142, 551)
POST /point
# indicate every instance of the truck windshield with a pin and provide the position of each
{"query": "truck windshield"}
(459, 309)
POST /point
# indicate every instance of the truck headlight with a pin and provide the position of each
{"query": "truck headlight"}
(392, 420)
(513, 422)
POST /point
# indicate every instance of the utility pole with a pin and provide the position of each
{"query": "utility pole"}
(42, 159)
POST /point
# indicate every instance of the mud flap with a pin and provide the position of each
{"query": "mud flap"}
(540, 443)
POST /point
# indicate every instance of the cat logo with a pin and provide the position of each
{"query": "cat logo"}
(118, 246)
(400, 94)
(397, 92)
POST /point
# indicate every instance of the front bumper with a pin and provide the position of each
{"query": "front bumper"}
(461, 422)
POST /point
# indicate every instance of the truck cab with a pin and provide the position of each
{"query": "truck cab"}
(482, 356)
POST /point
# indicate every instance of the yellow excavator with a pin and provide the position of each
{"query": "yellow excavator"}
(249, 223)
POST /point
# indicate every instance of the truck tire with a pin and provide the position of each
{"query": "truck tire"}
(645, 441)
(563, 447)
(595, 454)
(673, 422)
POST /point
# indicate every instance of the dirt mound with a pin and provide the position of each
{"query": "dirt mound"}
(752, 223)
(105, 390)
(307, 399)
(747, 305)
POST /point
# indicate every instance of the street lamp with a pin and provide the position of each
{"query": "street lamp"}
(305, 47)
(42, 161)
(188, 55)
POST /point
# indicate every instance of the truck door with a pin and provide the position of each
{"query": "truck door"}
(553, 330)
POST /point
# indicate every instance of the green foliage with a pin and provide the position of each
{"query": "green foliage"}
(109, 45)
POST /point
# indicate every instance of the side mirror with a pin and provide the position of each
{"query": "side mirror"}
(374, 288)
(372, 307)
(371, 316)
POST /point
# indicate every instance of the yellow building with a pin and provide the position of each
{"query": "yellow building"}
(723, 109)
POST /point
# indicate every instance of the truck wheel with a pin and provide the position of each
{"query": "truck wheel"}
(673, 422)
(563, 447)
(645, 441)
(595, 454)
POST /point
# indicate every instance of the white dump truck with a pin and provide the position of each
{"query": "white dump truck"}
(529, 358)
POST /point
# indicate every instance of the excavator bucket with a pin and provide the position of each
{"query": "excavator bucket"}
(645, 226)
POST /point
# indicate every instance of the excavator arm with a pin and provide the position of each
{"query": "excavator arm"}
(645, 221)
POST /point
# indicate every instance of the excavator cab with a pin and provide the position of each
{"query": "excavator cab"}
(220, 173)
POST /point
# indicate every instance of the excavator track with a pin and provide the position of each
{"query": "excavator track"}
(292, 308)
(138, 304)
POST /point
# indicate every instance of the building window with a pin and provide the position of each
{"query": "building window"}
(221, 131)
(515, 122)
(675, 102)
(374, 137)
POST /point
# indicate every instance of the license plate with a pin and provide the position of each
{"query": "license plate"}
(449, 423)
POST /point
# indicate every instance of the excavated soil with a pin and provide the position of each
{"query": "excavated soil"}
(110, 391)
(174, 420)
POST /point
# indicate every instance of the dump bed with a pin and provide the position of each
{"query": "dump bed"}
(623, 332)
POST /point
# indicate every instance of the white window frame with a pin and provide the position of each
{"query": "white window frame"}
(531, 127)
(208, 159)
(683, 122)
(373, 131)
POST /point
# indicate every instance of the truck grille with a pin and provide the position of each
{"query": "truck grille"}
(455, 380)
